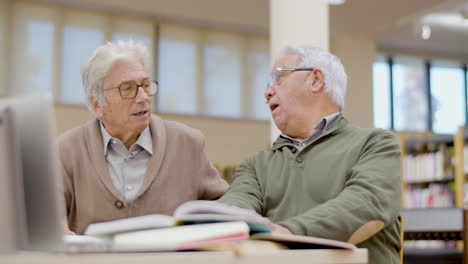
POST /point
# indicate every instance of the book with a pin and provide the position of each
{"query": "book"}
(232, 236)
(197, 212)
(193, 212)
(79, 243)
(181, 237)
(138, 223)
(201, 225)
(303, 242)
(213, 207)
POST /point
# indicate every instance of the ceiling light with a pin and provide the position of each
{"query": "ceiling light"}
(425, 32)
(448, 20)
(336, 2)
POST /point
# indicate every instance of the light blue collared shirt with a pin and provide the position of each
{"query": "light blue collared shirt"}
(127, 167)
(319, 129)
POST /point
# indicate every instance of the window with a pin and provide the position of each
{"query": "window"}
(381, 83)
(33, 49)
(414, 81)
(78, 26)
(222, 75)
(448, 100)
(410, 94)
(136, 29)
(49, 43)
(200, 71)
(177, 70)
(212, 73)
(258, 73)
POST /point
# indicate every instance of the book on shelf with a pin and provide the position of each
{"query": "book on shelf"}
(429, 166)
(434, 196)
(200, 225)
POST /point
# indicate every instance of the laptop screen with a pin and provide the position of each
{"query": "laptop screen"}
(33, 122)
(13, 221)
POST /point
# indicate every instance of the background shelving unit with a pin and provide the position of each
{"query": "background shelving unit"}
(444, 157)
(432, 161)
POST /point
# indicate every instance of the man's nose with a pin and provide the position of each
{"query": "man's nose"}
(141, 95)
(270, 92)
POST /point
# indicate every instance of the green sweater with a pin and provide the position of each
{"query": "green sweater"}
(344, 179)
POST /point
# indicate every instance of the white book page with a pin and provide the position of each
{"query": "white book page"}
(130, 224)
(179, 237)
(213, 207)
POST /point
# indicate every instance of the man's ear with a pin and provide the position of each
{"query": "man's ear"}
(316, 80)
(96, 106)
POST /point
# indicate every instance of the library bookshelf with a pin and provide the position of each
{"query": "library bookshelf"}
(433, 161)
(433, 179)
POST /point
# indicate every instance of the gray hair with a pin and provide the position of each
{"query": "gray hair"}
(334, 72)
(103, 59)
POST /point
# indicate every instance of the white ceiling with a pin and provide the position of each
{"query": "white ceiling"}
(392, 24)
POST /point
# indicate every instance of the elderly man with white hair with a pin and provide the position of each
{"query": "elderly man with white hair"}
(127, 161)
(323, 176)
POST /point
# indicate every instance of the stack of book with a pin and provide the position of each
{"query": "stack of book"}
(201, 225)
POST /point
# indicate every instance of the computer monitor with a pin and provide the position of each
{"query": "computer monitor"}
(34, 125)
(12, 221)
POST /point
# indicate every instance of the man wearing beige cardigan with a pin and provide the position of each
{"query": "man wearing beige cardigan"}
(128, 162)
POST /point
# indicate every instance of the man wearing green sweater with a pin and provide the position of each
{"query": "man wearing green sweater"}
(323, 177)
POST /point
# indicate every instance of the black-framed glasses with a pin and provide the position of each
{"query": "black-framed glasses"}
(129, 90)
(275, 76)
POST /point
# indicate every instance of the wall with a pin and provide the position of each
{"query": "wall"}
(357, 55)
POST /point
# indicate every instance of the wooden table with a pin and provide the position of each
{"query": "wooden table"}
(318, 256)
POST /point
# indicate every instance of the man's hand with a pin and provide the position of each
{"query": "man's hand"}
(67, 231)
(280, 229)
(277, 228)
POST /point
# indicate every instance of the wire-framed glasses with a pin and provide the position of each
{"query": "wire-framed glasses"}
(276, 75)
(129, 90)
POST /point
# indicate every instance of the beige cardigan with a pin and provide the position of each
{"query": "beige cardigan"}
(178, 171)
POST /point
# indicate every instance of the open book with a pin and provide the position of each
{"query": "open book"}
(198, 212)
(138, 223)
(198, 224)
(193, 212)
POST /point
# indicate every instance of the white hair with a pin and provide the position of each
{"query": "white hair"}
(103, 60)
(334, 73)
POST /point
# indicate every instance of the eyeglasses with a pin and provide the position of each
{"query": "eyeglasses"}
(129, 90)
(276, 76)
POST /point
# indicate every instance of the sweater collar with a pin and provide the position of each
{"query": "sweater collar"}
(96, 152)
(144, 140)
(334, 128)
(318, 130)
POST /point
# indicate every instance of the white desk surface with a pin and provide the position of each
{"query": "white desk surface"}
(318, 256)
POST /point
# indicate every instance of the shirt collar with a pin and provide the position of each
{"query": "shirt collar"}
(330, 120)
(106, 138)
(144, 140)
(322, 126)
